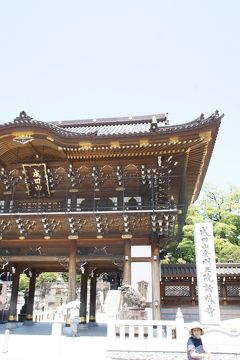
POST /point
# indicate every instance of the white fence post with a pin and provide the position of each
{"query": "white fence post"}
(5, 341)
(111, 331)
(180, 329)
(56, 336)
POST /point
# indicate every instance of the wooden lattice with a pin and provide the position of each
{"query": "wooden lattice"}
(233, 290)
(177, 290)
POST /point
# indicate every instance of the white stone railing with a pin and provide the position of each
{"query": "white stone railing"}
(145, 335)
(165, 336)
(48, 316)
(218, 339)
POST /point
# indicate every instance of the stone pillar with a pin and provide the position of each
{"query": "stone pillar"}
(14, 296)
(83, 304)
(31, 294)
(93, 292)
(155, 282)
(127, 263)
(208, 300)
(72, 270)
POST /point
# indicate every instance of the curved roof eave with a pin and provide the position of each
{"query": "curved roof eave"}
(63, 132)
(209, 152)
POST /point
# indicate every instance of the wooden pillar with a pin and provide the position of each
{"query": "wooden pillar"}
(72, 270)
(120, 200)
(224, 291)
(127, 263)
(14, 296)
(155, 282)
(7, 203)
(193, 291)
(83, 298)
(31, 294)
(73, 197)
(93, 292)
(162, 292)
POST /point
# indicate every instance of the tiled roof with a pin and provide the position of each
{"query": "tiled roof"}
(227, 270)
(176, 270)
(117, 120)
(113, 126)
(112, 129)
(133, 125)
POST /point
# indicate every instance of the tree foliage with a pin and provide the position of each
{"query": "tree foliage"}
(23, 282)
(226, 251)
(47, 277)
(222, 209)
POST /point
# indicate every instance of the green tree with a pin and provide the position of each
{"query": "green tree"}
(184, 251)
(222, 209)
(226, 251)
(225, 231)
(23, 282)
(47, 277)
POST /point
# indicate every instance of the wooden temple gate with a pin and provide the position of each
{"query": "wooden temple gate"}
(75, 196)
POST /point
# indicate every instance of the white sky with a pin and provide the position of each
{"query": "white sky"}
(74, 59)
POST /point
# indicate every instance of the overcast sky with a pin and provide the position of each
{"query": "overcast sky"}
(73, 59)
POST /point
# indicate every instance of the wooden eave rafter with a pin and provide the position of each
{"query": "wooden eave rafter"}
(112, 224)
(131, 150)
(13, 152)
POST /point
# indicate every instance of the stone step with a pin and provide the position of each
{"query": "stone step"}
(163, 355)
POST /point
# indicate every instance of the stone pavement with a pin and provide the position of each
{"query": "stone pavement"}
(38, 341)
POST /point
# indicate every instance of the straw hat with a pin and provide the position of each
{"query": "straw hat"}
(195, 325)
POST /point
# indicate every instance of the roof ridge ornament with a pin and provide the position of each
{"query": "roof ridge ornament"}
(23, 114)
(215, 115)
(201, 118)
(23, 117)
(154, 123)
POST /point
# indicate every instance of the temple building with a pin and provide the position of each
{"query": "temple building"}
(83, 197)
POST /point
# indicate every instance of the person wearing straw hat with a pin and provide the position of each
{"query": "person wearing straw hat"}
(195, 349)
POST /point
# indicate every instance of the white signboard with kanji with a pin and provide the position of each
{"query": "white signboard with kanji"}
(208, 300)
